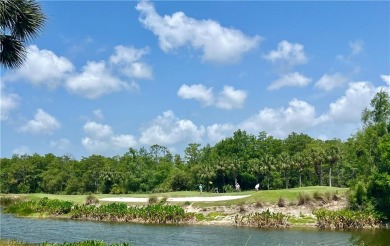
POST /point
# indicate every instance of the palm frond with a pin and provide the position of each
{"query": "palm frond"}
(12, 52)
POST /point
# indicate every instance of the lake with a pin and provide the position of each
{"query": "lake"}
(57, 231)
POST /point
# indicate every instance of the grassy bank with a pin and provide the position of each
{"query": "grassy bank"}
(270, 196)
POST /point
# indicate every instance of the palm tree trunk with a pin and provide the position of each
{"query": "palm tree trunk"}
(330, 176)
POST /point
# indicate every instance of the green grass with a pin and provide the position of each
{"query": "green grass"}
(267, 196)
(302, 220)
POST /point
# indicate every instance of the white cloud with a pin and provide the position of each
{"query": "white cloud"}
(289, 53)
(100, 139)
(230, 98)
(124, 141)
(95, 81)
(8, 102)
(348, 108)
(386, 79)
(217, 132)
(329, 82)
(298, 116)
(97, 130)
(61, 144)
(356, 46)
(42, 67)
(127, 60)
(292, 80)
(218, 44)
(43, 123)
(198, 92)
(167, 129)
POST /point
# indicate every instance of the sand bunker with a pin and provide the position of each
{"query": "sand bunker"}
(175, 199)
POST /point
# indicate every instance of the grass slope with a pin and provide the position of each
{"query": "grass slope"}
(270, 196)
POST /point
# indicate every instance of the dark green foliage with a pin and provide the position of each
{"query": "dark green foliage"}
(378, 192)
(20, 21)
(44, 205)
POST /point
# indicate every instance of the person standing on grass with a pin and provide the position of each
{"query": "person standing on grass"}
(257, 187)
(200, 188)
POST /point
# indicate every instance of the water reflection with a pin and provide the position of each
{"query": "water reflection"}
(56, 231)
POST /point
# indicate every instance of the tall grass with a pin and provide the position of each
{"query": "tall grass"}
(263, 219)
(345, 219)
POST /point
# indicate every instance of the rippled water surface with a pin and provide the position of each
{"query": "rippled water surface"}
(55, 231)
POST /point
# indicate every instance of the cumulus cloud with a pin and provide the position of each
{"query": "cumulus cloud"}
(43, 123)
(348, 108)
(217, 43)
(101, 139)
(42, 67)
(128, 60)
(217, 132)
(386, 79)
(94, 81)
(329, 82)
(96, 78)
(291, 79)
(8, 102)
(167, 129)
(288, 53)
(198, 92)
(230, 98)
(298, 116)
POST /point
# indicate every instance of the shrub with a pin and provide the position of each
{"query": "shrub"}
(304, 198)
(282, 202)
(153, 199)
(91, 199)
(163, 200)
(259, 204)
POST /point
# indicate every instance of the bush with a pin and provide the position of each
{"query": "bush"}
(304, 198)
(282, 202)
(259, 204)
(91, 199)
(153, 199)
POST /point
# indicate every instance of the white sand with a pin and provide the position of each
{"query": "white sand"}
(175, 199)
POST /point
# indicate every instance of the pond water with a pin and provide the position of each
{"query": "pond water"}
(57, 231)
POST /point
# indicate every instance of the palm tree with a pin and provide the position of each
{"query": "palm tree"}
(300, 163)
(20, 21)
(333, 156)
(268, 162)
(284, 163)
(255, 167)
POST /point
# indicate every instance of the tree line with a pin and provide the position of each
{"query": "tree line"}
(298, 160)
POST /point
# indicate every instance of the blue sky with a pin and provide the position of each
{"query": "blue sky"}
(105, 76)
